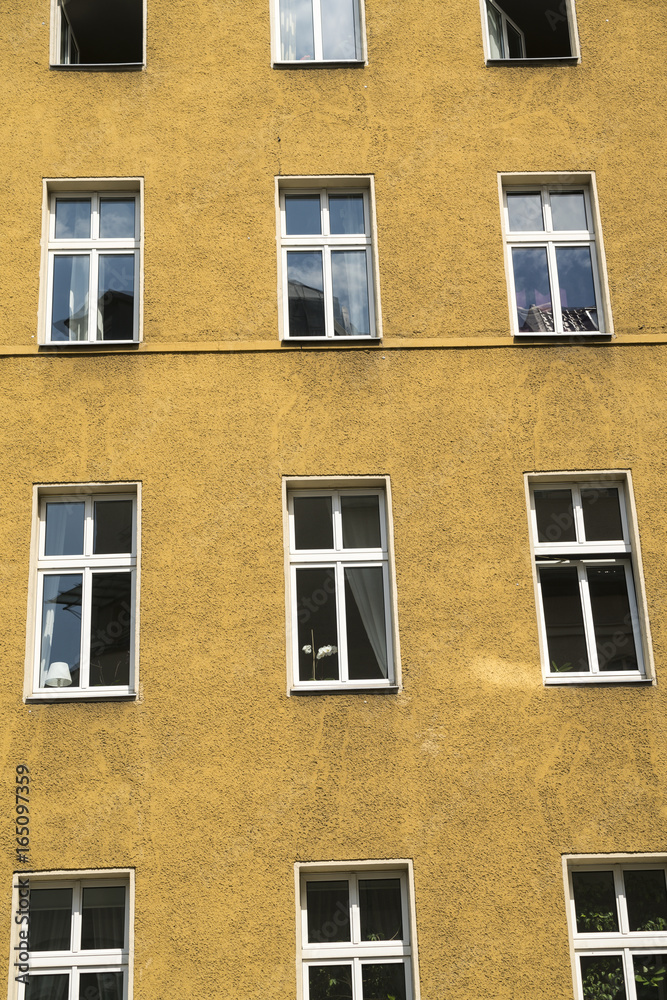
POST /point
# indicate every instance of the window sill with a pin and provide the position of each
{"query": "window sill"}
(324, 688)
(319, 64)
(99, 67)
(540, 61)
(565, 338)
(598, 679)
(341, 341)
(59, 345)
(102, 694)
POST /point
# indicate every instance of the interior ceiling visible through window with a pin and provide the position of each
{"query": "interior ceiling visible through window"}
(107, 31)
(544, 23)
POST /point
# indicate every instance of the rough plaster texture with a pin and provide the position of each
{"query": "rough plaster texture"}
(215, 782)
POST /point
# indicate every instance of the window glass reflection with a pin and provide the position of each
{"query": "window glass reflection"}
(61, 624)
(568, 211)
(339, 36)
(64, 529)
(117, 218)
(70, 297)
(533, 290)
(525, 212)
(350, 293)
(305, 285)
(577, 288)
(72, 218)
(303, 215)
(115, 307)
(564, 619)
(296, 30)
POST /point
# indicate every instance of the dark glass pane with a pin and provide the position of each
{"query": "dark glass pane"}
(646, 896)
(555, 516)
(383, 981)
(361, 522)
(338, 30)
(69, 320)
(350, 293)
(568, 211)
(650, 976)
(115, 305)
(50, 920)
(595, 902)
(330, 982)
(101, 986)
(53, 986)
(533, 290)
(313, 523)
(577, 291)
(61, 625)
(117, 218)
(72, 218)
(113, 526)
(328, 911)
(305, 289)
(380, 906)
(303, 215)
(602, 514)
(602, 977)
(525, 212)
(346, 213)
(103, 917)
(64, 529)
(318, 628)
(564, 619)
(515, 43)
(110, 629)
(365, 623)
(612, 618)
(296, 30)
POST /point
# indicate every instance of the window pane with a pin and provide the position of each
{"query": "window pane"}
(103, 917)
(64, 529)
(646, 897)
(496, 50)
(330, 982)
(328, 911)
(602, 977)
(602, 514)
(50, 926)
(339, 36)
(61, 627)
(110, 629)
(533, 290)
(555, 516)
(595, 902)
(381, 913)
(568, 211)
(303, 215)
(117, 218)
(113, 526)
(650, 976)
(115, 305)
(72, 219)
(70, 297)
(515, 43)
(296, 29)
(346, 214)
(54, 986)
(361, 522)
(384, 981)
(365, 623)
(101, 986)
(318, 628)
(577, 291)
(313, 523)
(525, 212)
(306, 293)
(350, 293)
(566, 639)
(612, 618)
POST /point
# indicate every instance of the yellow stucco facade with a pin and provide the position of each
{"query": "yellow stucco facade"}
(217, 778)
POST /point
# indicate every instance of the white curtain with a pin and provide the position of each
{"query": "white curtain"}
(367, 586)
(287, 29)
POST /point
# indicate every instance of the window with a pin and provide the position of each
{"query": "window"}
(327, 263)
(98, 32)
(553, 260)
(86, 594)
(77, 937)
(319, 31)
(93, 267)
(587, 597)
(525, 30)
(356, 934)
(618, 917)
(339, 585)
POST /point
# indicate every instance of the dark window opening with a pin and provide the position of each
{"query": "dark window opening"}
(544, 25)
(101, 32)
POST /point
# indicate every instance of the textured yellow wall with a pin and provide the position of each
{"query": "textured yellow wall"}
(214, 783)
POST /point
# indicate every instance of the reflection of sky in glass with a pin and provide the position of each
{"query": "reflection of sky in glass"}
(70, 297)
(306, 293)
(531, 283)
(575, 277)
(64, 529)
(116, 218)
(346, 214)
(568, 211)
(296, 29)
(350, 292)
(61, 620)
(302, 215)
(525, 212)
(72, 219)
(305, 268)
(338, 34)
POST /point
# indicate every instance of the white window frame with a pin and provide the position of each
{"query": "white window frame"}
(276, 45)
(74, 961)
(545, 185)
(60, 24)
(623, 942)
(357, 952)
(85, 564)
(340, 558)
(556, 12)
(582, 553)
(326, 243)
(505, 21)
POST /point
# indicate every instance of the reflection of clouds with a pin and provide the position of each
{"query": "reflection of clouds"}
(350, 288)
(568, 211)
(116, 219)
(531, 276)
(116, 273)
(338, 35)
(575, 277)
(305, 268)
(525, 212)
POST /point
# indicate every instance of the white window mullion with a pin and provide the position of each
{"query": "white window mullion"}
(77, 898)
(629, 972)
(578, 510)
(328, 292)
(342, 622)
(555, 288)
(317, 29)
(357, 979)
(621, 901)
(86, 618)
(587, 611)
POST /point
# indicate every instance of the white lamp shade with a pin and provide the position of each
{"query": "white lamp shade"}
(58, 675)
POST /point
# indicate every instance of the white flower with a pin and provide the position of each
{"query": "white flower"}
(307, 649)
(326, 651)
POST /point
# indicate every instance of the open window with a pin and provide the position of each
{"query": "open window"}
(525, 30)
(98, 33)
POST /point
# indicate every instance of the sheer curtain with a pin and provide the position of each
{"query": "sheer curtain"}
(288, 29)
(367, 582)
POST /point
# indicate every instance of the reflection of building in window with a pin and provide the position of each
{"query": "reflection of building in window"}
(528, 29)
(94, 32)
